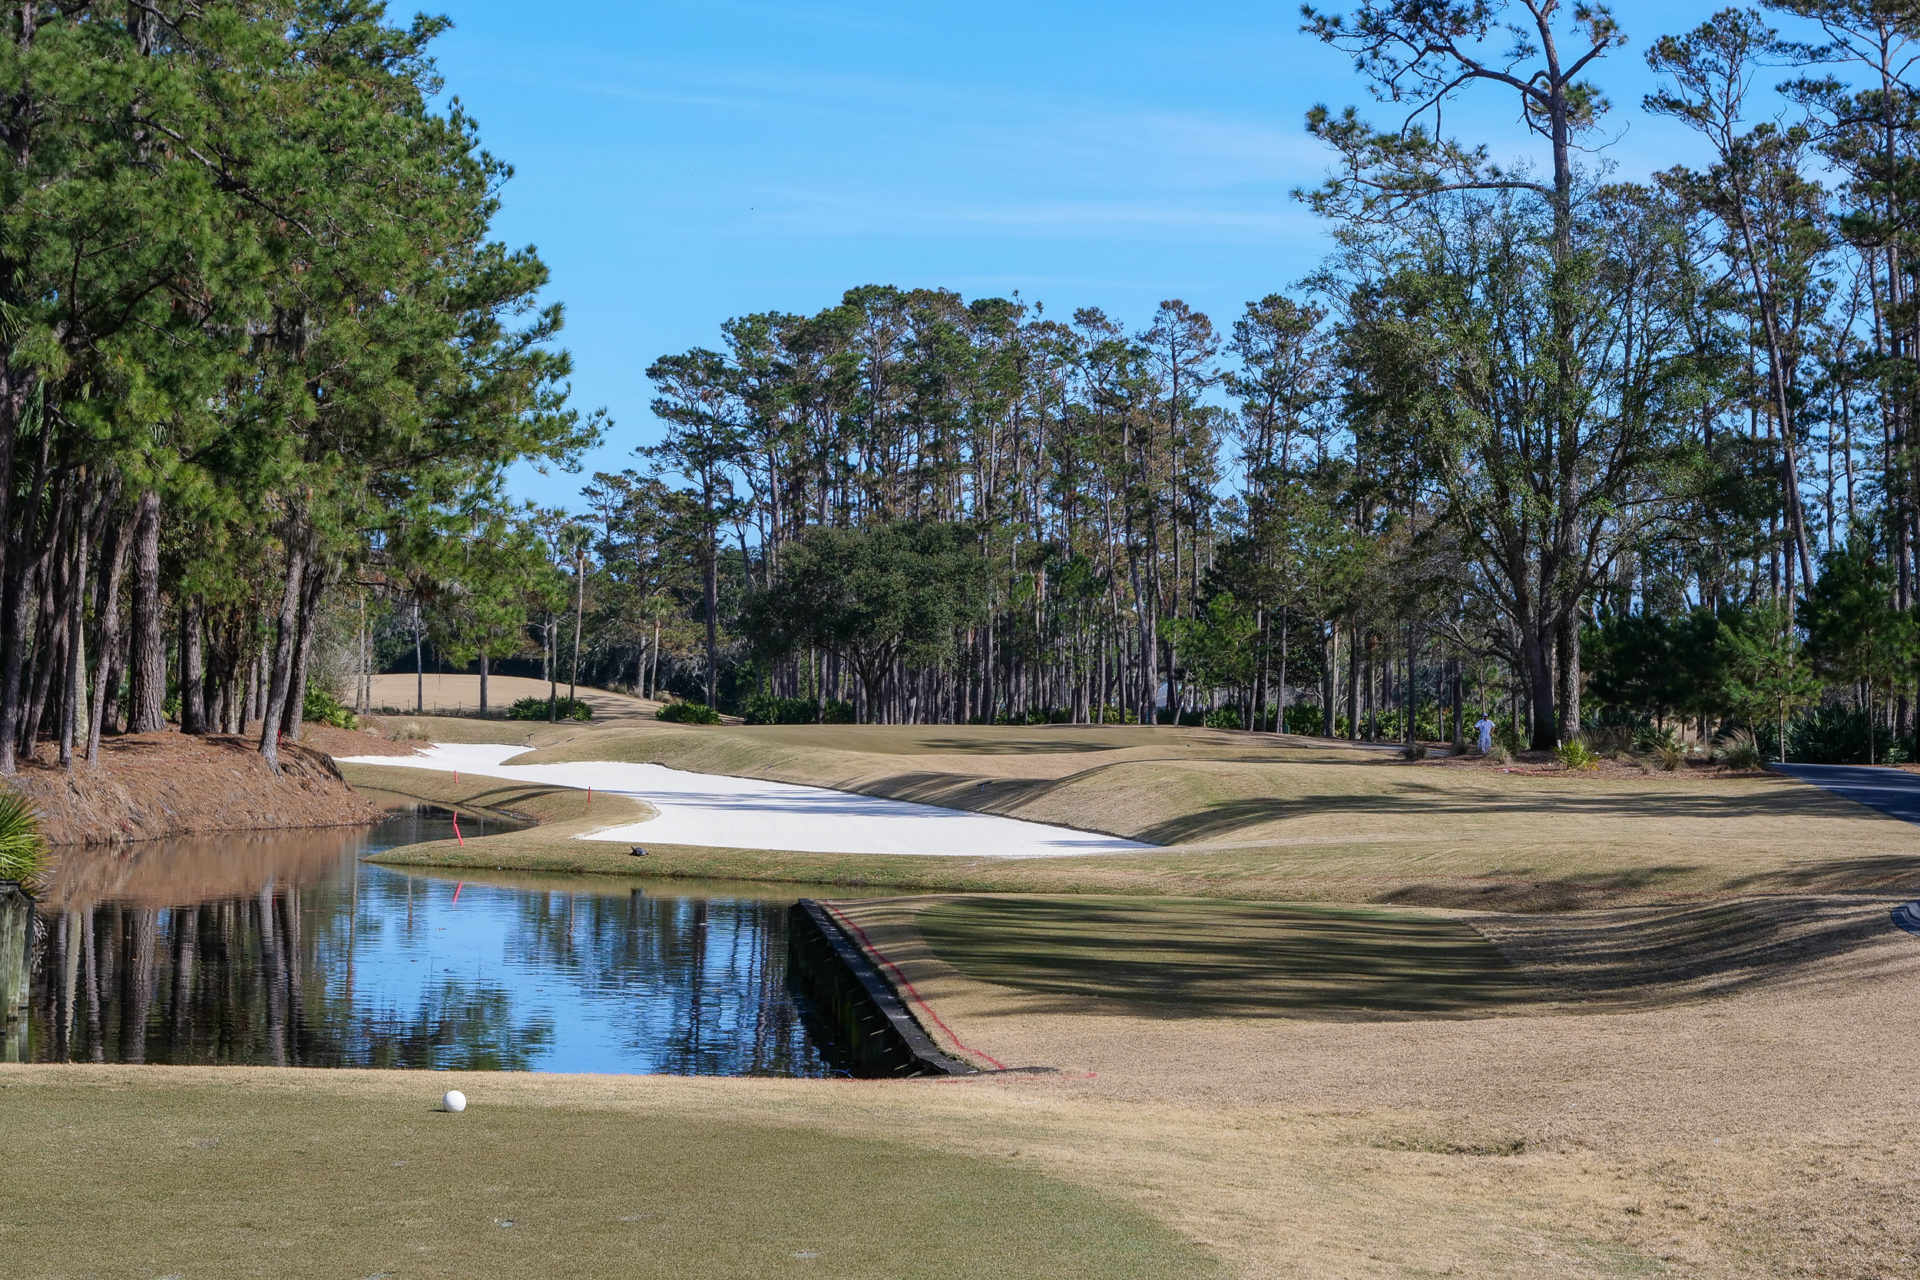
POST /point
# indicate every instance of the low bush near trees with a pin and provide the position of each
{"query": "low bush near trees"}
(1578, 755)
(563, 709)
(1738, 750)
(764, 708)
(1306, 719)
(687, 713)
(322, 707)
(1835, 735)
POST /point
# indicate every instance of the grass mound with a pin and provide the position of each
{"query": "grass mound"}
(1209, 958)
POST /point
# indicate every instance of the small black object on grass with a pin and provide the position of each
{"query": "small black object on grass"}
(638, 852)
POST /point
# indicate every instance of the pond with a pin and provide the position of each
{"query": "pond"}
(287, 949)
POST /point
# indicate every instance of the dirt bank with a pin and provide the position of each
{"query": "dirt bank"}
(154, 785)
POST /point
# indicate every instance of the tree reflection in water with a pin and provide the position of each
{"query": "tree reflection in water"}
(290, 954)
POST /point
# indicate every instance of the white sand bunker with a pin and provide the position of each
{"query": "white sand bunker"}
(716, 811)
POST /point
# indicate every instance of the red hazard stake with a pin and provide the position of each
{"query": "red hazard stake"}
(456, 831)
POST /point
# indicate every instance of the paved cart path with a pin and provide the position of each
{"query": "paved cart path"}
(1893, 792)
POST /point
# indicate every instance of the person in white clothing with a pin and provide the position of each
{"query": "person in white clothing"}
(1484, 727)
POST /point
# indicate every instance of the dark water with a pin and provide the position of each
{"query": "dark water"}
(289, 950)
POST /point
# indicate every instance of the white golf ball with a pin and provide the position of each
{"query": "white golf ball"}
(455, 1101)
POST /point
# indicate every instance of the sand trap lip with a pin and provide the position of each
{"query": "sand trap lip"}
(717, 811)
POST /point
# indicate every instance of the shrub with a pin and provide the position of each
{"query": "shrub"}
(1737, 750)
(1578, 755)
(1669, 755)
(764, 708)
(563, 709)
(322, 707)
(409, 731)
(23, 850)
(1610, 740)
(1499, 754)
(1306, 719)
(1414, 751)
(687, 713)
(1655, 740)
(1225, 718)
(1837, 735)
(1065, 715)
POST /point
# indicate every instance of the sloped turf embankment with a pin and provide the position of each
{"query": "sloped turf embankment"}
(1241, 816)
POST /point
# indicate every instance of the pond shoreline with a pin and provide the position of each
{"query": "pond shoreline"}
(155, 786)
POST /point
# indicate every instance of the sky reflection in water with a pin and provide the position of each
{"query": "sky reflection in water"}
(249, 949)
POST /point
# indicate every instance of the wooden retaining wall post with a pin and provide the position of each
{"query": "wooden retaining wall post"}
(866, 1020)
(16, 948)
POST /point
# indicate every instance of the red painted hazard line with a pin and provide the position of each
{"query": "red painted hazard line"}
(910, 989)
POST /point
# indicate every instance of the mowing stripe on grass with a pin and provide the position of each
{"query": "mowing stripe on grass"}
(1221, 958)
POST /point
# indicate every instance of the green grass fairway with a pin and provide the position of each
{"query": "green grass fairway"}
(1210, 958)
(204, 1181)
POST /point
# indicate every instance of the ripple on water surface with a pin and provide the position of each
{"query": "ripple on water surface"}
(287, 949)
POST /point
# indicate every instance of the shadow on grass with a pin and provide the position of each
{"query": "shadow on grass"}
(1214, 959)
(1651, 955)
(500, 799)
(1406, 799)
(1017, 746)
(1497, 892)
(1173, 958)
(1225, 817)
(1889, 873)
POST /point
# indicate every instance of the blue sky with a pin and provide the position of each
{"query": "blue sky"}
(680, 163)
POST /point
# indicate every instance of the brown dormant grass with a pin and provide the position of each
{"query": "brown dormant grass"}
(1245, 816)
(460, 694)
(1712, 1083)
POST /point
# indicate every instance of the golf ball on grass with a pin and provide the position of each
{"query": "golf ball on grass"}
(454, 1101)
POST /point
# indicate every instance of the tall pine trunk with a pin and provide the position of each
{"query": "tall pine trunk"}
(294, 716)
(280, 675)
(16, 604)
(73, 688)
(147, 645)
(106, 678)
(193, 667)
(1568, 655)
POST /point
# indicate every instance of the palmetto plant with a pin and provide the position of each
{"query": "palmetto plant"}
(1577, 755)
(1738, 750)
(23, 850)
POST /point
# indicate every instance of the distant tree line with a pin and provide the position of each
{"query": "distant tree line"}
(1532, 439)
